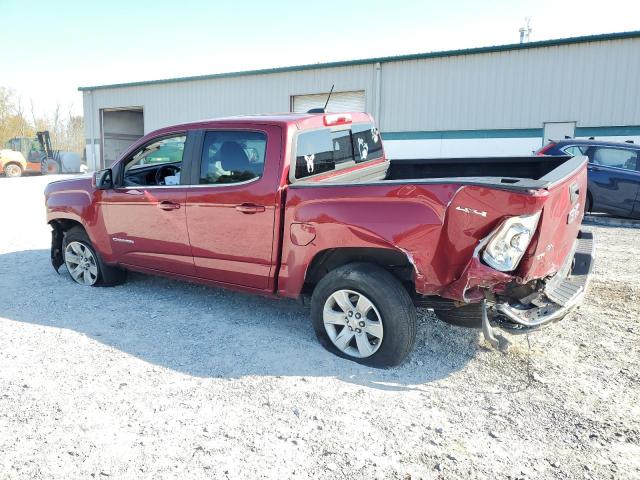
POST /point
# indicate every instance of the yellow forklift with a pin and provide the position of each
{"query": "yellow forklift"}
(30, 155)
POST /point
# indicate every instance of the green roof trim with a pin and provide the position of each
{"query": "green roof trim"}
(460, 134)
(398, 58)
(612, 131)
(618, 131)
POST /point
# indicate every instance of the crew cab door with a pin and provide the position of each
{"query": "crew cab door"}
(145, 211)
(614, 179)
(232, 205)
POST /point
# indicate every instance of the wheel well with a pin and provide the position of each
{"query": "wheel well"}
(65, 224)
(13, 162)
(395, 262)
(59, 226)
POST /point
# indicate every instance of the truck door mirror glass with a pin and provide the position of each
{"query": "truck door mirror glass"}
(104, 179)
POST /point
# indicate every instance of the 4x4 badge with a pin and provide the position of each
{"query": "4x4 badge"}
(471, 210)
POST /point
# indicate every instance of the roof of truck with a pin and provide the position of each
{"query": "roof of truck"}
(301, 120)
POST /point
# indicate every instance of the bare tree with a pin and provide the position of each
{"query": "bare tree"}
(67, 131)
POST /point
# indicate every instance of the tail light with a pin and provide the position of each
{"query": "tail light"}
(545, 149)
(509, 242)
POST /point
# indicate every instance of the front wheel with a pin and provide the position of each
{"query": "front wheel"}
(13, 170)
(363, 313)
(83, 262)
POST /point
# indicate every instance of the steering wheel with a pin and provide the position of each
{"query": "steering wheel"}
(165, 171)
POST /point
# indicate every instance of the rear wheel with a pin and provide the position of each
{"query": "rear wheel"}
(13, 170)
(84, 263)
(52, 167)
(363, 313)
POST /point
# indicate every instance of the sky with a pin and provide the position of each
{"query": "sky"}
(50, 48)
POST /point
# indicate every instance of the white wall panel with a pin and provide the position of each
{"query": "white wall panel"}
(593, 84)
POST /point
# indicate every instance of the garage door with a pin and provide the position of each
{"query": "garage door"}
(339, 102)
(120, 128)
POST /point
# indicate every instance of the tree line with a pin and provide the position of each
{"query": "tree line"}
(65, 128)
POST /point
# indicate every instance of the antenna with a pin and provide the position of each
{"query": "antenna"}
(525, 31)
(323, 110)
(329, 97)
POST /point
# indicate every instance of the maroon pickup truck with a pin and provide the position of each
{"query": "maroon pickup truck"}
(307, 206)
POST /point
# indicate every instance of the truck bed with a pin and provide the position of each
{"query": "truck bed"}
(510, 173)
(450, 205)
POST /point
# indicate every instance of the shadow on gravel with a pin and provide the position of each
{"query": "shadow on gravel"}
(210, 332)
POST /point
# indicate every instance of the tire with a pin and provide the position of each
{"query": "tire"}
(78, 252)
(469, 316)
(383, 324)
(12, 170)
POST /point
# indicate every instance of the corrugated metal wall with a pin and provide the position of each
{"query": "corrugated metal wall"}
(594, 84)
(169, 103)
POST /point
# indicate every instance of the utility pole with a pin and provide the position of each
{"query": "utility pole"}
(525, 31)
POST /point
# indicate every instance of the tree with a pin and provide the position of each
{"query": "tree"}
(66, 131)
(12, 120)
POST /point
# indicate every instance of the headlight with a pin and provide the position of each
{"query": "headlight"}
(508, 243)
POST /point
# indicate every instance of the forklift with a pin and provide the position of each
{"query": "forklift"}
(38, 154)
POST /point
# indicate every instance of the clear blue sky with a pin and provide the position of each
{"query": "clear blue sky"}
(49, 48)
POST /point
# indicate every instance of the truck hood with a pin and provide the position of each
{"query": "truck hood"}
(82, 183)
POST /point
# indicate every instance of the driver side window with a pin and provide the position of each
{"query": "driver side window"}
(156, 164)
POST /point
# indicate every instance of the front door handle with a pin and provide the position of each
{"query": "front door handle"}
(167, 205)
(250, 208)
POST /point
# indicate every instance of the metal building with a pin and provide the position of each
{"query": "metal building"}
(500, 100)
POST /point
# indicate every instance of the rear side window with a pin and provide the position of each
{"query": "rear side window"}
(232, 157)
(575, 150)
(615, 157)
(320, 151)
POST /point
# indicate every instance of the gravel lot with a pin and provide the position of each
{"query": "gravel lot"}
(162, 379)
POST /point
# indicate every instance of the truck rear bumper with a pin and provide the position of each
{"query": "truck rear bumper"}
(562, 292)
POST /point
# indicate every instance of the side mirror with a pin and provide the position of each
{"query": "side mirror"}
(104, 179)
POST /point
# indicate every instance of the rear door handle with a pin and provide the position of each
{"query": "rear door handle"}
(250, 208)
(167, 205)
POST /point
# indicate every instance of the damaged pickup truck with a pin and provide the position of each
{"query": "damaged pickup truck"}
(307, 206)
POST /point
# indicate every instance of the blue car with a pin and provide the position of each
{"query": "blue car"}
(614, 174)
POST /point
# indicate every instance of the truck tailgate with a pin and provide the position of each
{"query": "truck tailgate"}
(558, 227)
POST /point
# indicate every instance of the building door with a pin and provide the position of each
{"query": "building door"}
(558, 131)
(339, 102)
(119, 129)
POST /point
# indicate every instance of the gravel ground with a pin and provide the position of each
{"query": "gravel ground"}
(163, 379)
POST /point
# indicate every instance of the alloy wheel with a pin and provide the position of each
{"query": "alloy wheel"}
(81, 263)
(353, 323)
